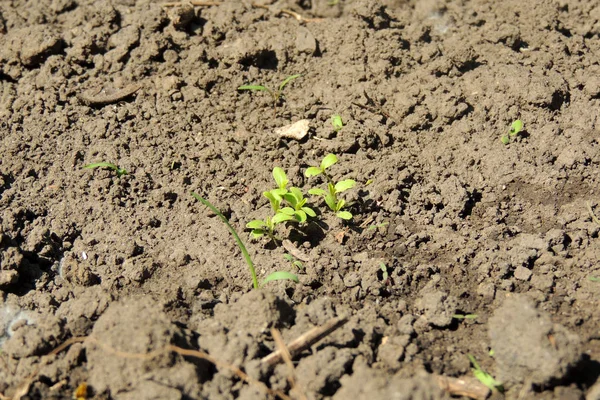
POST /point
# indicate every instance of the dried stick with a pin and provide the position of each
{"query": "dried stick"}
(196, 3)
(97, 99)
(306, 340)
(468, 387)
(288, 361)
(291, 13)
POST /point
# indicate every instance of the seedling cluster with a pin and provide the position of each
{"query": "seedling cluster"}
(290, 205)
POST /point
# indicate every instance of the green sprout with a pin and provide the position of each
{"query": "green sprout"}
(331, 197)
(267, 226)
(294, 261)
(337, 122)
(464, 316)
(298, 208)
(120, 171)
(384, 271)
(279, 275)
(594, 279)
(275, 94)
(484, 377)
(515, 128)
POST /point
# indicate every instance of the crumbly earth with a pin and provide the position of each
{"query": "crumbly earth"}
(448, 220)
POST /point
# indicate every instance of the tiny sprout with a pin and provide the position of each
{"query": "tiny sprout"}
(327, 162)
(337, 122)
(275, 94)
(384, 271)
(484, 377)
(515, 128)
(464, 316)
(294, 261)
(331, 199)
(120, 171)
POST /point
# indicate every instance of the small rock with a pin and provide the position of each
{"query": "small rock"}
(522, 273)
(352, 279)
(437, 306)
(529, 346)
(298, 130)
(305, 41)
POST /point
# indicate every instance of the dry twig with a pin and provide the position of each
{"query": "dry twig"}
(288, 360)
(468, 387)
(196, 3)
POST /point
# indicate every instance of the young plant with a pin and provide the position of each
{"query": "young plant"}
(294, 261)
(267, 226)
(120, 171)
(484, 377)
(279, 275)
(337, 122)
(334, 203)
(298, 208)
(515, 128)
(275, 94)
(331, 195)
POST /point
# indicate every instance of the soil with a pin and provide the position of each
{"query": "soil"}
(448, 220)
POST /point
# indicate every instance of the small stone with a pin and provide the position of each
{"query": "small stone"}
(305, 41)
(522, 273)
(352, 279)
(298, 130)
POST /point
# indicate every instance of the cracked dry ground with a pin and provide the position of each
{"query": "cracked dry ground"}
(463, 223)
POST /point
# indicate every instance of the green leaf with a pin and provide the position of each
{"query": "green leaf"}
(281, 217)
(279, 276)
(254, 87)
(309, 211)
(257, 233)
(505, 139)
(340, 204)
(483, 376)
(287, 211)
(279, 192)
(312, 171)
(464, 316)
(337, 122)
(287, 80)
(235, 236)
(297, 193)
(300, 216)
(256, 224)
(328, 161)
(594, 279)
(288, 257)
(120, 171)
(344, 215)
(290, 199)
(317, 192)
(344, 185)
(331, 202)
(516, 127)
(280, 178)
(274, 199)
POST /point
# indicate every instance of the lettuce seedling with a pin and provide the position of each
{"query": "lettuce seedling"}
(327, 162)
(337, 122)
(331, 199)
(120, 171)
(267, 227)
(515, 128)
(275, 94)
(298, 208)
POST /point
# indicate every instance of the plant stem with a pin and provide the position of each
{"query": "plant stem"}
(235, 236)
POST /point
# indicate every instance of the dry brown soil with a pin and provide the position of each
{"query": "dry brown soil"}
(463, 223)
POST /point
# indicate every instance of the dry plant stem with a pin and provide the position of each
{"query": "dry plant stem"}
(192, 2)
(23, 389)
(468, 387)
(306, 340)
(103, 99)
(288, 361)
(299, 254)
(594, 218)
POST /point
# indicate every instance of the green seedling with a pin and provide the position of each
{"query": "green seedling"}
(515, 128)
(464, 316)
(120, 171)
(327, 162)
(334, 203)
(294, 261)
(337, 122)
(376, 226)
(384, 271)
(267, 227)
(275, 94)
(298, 208)
(594, 279)
(484, 377)
(279, 275)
